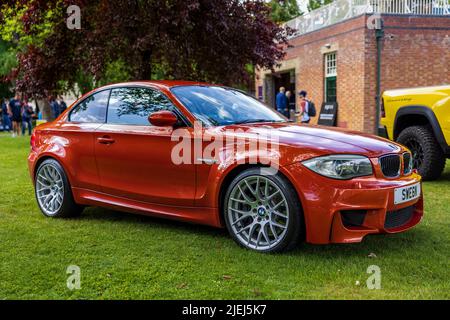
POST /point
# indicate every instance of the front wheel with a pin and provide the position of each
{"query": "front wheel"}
(53, 192)
(263, 212)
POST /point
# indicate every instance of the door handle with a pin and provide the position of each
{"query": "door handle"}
(105, 140)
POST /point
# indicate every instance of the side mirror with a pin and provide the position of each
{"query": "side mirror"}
(163, 119)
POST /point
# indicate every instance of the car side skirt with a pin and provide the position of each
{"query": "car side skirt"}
(206, 216)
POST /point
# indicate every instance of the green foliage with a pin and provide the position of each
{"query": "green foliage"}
(13, 30)
(284, 10)
(14, 38)
(8, 59)
(82, 84)
(8, 62)
(5, 90)
(316, 4)
(116, 71)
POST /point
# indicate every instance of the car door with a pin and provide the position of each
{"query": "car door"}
(76, 134)
(134, 157)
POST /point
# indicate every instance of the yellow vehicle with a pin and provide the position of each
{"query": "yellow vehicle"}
(419, 118)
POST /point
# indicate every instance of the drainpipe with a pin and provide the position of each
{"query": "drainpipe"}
(379, 35)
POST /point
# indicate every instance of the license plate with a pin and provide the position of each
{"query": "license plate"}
(406, 194)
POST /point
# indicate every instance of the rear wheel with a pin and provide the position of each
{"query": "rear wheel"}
(262, 212)
(53, 192)
(428, 157)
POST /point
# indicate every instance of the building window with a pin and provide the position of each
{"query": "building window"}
(330, 77)
(330, 63)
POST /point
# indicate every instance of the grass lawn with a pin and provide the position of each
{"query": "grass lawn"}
(125, 256)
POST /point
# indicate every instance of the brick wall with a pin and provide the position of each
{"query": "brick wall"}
(415, 52)
(348, 40)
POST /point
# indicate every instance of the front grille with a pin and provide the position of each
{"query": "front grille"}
(398, 218)
(407, 165)
(390, 165)
(353, 218)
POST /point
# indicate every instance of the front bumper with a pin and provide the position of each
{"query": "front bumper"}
(346, 211)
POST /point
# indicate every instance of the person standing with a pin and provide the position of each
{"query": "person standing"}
(304, 107)
(282, 102)
(1, 115)
(62, 105)
(15, 108)
(290, 103)
(27, 114)
(54, 107)
(5, 117)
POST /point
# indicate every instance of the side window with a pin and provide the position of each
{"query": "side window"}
(134, 105)
(92, 109)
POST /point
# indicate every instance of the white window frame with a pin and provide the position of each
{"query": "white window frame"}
(331, 64)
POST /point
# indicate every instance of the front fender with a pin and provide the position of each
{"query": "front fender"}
(430, 115)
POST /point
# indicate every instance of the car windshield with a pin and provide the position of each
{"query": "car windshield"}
(218, 106)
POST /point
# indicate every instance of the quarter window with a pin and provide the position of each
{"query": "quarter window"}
(133, 105)
(92, 109)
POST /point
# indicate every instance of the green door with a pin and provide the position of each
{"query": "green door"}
(330, 89)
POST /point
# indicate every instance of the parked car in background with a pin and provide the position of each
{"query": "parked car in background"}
(114, 148)
(419, 118)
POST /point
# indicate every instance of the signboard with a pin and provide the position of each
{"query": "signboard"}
(328, 114)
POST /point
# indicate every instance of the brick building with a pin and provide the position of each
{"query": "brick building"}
(333, 55)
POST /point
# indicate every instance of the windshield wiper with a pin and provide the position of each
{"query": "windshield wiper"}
(256, 121)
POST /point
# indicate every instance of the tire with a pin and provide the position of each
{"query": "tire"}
(269, 220)
(428, 157)
(53, 192)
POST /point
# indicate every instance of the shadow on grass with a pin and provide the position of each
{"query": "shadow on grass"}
(445, 177)
(384, 244)
(102, 214)
(381, 244)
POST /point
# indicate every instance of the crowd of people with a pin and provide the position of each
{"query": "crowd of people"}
(284, 105)
(17, 114)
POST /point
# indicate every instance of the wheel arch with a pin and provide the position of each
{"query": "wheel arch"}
(46, 157)
(419, 115)
(233, 173)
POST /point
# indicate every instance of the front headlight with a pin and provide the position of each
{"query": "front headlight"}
(340, 166)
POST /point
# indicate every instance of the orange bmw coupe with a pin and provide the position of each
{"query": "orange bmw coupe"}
(214, 155)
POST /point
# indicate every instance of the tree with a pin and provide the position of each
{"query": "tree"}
(145, 39)
(8, 63)
(316, 4)
(284, 10)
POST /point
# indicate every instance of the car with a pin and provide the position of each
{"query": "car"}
(419, 118)
(119, 147)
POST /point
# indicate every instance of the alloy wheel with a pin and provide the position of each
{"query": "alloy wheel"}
(258, 212)
(49, 189)
(417, 152)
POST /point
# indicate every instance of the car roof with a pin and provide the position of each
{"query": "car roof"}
(166, 84)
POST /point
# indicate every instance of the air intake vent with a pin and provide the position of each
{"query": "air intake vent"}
(353, 218)
(390, 165)
(399, 218)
